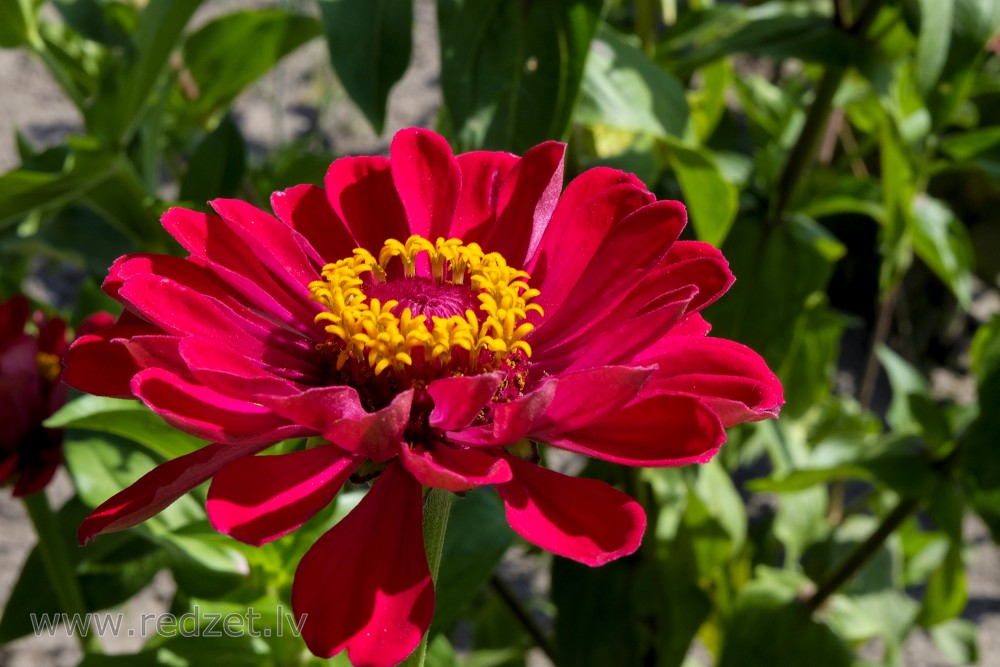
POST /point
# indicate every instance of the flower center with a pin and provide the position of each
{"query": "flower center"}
(469, 316)
(49, 365)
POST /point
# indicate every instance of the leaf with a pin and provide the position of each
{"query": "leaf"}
(226, 55)
(979, 465)
(81, 171)
(511, 71)
(779, 269)
(624, 89)
(711, 200)
(933, 41)
(370, 43)
(946, 594)
(770, 625)
(18, 24)
(476, 540)
(128, 419)
(941, 240)
(716, 490)
(218, 164)
(101, 466)
(967, 145)
(956, 640)
(807, 373)
(905, 381)
(985, 350)
(118, 110)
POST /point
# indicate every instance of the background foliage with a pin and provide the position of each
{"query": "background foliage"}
(844, 154)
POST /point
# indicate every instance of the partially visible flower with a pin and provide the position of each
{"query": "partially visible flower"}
(30, 391)
(428, 319)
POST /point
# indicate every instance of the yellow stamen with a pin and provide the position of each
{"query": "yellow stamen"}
(368, 330)
(49, 365)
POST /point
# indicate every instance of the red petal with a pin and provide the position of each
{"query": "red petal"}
(365, 585)
(459, 399)
(733, 380)
(206, 414)
(362, 194)
(225, 370)
(660, 430)
(96, 364)
(158, 488)
(261, 498)
(306, 209)
(528, 196)
(455, 470)
(482, 174)
(427, 179)
(583, 519)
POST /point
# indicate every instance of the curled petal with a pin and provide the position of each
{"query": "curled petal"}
(586, 520)
(260, 498)
(458, 399)
(160, 487)
(455, 470)
(365, 585)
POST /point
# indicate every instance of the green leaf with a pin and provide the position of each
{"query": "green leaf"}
(716, 490)
(129, 419)
(118, 111)
(477, 538)
(808, 371)
(779, 269)
(941, 240)
(956, 640)
(624, 89)
(711, 200)
(933, 41)
(18, 24)
(101, 466)
(370, 43)
(946, 594)
(82, 171)
(511, 72)
(967, 145)
(898, 192)
(773, 628)
(217, 167)
(985, 350)
(905, 381)
(226, 55)
(980, 465)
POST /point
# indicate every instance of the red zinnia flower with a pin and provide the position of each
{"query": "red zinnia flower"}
(432, 317)
(30, 392)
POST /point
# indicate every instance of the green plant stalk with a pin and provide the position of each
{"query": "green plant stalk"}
(58, 566)
(861, 554)
(515, 607)
(437, 508)
(816, 120)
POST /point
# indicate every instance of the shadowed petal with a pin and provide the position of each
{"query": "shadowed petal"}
(427, 178)
(452, 469)
(261, 498)
(583, 519)
(306, 209)
(365, 585)
(458, 399)
(362, 194)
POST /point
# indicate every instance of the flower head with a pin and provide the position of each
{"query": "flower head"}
(429, 319)
(30, 391)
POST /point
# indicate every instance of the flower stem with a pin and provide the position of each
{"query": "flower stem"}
(512, 603)
(861, 554)
(437, 507)
(58, 565)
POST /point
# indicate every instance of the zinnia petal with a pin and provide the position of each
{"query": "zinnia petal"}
(583, 519)
(456, 470)
(260, 498)
(365, 585)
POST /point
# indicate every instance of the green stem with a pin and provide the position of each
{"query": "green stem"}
(58, 565)
(437, 507)
(513, 604)
(861, 554)
(816, 120)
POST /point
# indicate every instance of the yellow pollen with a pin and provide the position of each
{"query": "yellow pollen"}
(49, 365)
(367, 329)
